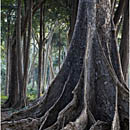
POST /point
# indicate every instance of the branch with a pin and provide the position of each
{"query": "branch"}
(37, 5)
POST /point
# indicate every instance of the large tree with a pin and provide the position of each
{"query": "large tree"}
(89, 92)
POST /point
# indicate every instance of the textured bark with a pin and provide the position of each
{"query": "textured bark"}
(74, 7)
(100, 125)
(107, 34)
(124, 45)
(115, 57)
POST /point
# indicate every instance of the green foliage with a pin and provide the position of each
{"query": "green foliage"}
(54, 11)
(3, 66)
(3, 98)
(31, 92)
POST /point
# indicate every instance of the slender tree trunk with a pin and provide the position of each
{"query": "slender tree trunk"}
(59, 44)
(19, 55)
(24, 48)
(50, 66)
(33, 63)
(13, 84)
(13, 80)
(24, 36)
(33, 67)
(46, 58)
(52, 75)
(40, 54)
(8, 58)
(27, 51)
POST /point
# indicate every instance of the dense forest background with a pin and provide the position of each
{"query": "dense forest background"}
(65, 64)
(52, 49)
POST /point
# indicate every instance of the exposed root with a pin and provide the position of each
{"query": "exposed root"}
(79, 124)
(23, 124)
(91, 117)
(116, 121)
(22, 114)
(100, 125)
(70, 126)
(82, 121)
(71, 111)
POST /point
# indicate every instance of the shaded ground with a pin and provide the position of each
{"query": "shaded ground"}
(5, 114)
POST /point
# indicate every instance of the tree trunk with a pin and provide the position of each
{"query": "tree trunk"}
(87, 93)
(52, 75)
(45, 56)
(25, 79)
(13, 80)
(59, 57)
(24, 37)
(74, 7)
(13, 84)
(40, 54)
(8, 57)
(19, 56)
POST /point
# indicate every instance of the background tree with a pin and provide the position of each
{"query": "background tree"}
(26, 49)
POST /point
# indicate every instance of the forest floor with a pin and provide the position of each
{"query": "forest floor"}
(6, 112)
(5, 115)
